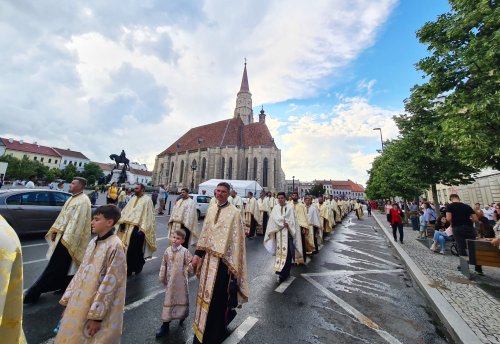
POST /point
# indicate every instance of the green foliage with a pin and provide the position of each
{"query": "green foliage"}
(317, 190)
(92, 172)
(23, 168)
(53, 175)
(69, 173)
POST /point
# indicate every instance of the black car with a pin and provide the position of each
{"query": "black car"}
(31, 210)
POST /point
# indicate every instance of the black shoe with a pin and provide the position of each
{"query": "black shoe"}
(163, 330)
(401, 241)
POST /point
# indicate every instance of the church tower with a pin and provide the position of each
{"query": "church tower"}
(244, 100)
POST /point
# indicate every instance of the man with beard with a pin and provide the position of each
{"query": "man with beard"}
(184, 216)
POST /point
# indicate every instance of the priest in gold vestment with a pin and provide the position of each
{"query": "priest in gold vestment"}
(301, 217)
(359, 209)
(315, 233)
(184, 216)
(137, 230)
(252, 215)
(220, 260)
(326, 215)
(283, 237)
(95, 298)
(67, 238)
(11, 286)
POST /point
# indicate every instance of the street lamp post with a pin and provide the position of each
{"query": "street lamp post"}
(381, 140)
(193, 168)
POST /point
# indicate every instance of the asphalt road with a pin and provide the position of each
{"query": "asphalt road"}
(354, 291)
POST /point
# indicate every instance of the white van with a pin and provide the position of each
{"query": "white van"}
(202, 203)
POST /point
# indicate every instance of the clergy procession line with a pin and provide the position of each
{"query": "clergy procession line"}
(91, 274)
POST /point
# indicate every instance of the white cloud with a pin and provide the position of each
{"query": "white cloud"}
(109, 75)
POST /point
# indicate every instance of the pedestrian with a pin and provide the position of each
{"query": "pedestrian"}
(185, 216)
(154, 198)
(137, 230)
(175, 265)
(326, 214)
(68, 237)
(11, 285)
(429, 214)
(95, 298)
(60, 186)
(223, 277)
(282, 237)
(461, 216)
(252, 215)
(122, 198)
(315, 233)
(161, 200)
(388, 208)
(112, 194)
(31, 183)
(235, 200)
(359, 210)
(397, 222)
(94, 196)
(369, 209)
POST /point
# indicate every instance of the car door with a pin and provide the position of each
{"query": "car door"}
(203, 202)
(32, 211)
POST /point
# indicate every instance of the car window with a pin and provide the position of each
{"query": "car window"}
(30, 198)
(14, 200)
(60, 198)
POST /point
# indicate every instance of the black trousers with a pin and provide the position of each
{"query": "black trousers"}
(265, 219)
(55, 276)
(188, 235)
(303, 236)
(135, 254)
(253, 227)
(285, 272)
(215, 327)
(395, 228)
(316, 232)
(461, 234)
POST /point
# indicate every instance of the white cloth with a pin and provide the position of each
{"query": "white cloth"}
(29, 185)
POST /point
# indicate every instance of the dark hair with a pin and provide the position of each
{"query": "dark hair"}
(180, 232)
(295, 193)
(141, 186)
(224, 184)
(281, 194)
(82, 180)
(185, 189)
(454, 196)
(109, 212)
(250, 193)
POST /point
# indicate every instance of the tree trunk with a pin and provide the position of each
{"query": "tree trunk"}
(435, 197)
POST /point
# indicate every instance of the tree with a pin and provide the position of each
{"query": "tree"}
(69, 173)
(317, 190)
(53, 174)
(462, 70)
(23, 168)
(92, 172)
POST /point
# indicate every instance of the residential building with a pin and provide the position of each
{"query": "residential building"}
(32, 151)
(71, 157)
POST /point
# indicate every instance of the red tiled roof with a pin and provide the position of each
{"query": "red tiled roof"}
(347, 185)
(229, 132)
(141, 172)
(70, 153)
(29, 148)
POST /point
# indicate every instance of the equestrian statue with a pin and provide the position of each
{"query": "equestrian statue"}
(120, 159)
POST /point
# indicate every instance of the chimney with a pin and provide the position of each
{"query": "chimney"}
(262, 116)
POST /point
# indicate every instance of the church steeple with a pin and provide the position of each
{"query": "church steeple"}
(243, 107)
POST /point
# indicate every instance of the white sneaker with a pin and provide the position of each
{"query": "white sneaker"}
(441, 252)
(434, 247)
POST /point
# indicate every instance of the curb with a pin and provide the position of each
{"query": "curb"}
(453, 322)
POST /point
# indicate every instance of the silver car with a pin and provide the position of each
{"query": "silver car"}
(202, 203)
(31, 210)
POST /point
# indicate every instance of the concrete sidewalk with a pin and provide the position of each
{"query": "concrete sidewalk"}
(470, 310)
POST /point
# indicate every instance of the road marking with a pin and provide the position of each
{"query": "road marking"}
(353, 311)
(285, 284)
(348, 272)
(35, 261)
(33, 245)
(241, 331)
(162, 238)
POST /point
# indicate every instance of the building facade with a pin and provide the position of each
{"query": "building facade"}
(32, 151)
(236, 148)
(70, 157)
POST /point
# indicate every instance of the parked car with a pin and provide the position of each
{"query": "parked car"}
(202, 203)
(31, 210)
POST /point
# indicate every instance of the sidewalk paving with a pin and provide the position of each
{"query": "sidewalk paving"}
(470, 310)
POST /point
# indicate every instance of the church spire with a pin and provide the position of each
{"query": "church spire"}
(243, 107)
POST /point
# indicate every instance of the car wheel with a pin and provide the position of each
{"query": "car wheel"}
(199, 214)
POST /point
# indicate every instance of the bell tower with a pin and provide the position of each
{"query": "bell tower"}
(243, 107)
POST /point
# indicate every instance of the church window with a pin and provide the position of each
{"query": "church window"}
(181, 172)
(264, 172)
(254, 168)
(171, 172)
(203, 168)
(222, 168)
(246, 168)
(230, 169)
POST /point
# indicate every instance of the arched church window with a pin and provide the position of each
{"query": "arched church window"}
(230, 169)
(181, 172)
(203, 168)
(222, 168)
(254, 168)
(264, 172)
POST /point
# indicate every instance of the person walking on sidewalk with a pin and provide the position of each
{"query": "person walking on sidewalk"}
(461, 216)
(397, 222)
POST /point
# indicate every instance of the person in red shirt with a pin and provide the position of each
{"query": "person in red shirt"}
(397, 222)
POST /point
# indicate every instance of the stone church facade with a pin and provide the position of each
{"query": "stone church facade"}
(236, 148)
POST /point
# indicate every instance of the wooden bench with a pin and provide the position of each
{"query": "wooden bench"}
(429, 231)
(481, 252)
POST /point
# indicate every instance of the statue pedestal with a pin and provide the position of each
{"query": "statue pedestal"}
(116, 177)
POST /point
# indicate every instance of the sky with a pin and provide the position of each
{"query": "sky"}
(102, 76)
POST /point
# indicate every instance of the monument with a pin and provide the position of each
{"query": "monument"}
(123, 175)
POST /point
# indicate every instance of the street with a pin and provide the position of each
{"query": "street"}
(354, 291)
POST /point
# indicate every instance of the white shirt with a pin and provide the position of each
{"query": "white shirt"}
(30, 185)
(488, 213)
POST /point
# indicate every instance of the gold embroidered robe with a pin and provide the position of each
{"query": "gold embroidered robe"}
(72, 228)
(184, 213)
(326, 217)
(223, 241)
(139, 212)
(96, 292)
(252, 209)
(11, 286)
(174, 275)
(313, 220)
(358, 209)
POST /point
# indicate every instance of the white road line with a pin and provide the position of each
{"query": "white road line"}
(241, 331)
(348, 272)
(357, 314)
(162, 238)
(33, 245)
(285, 284)
(35, 261)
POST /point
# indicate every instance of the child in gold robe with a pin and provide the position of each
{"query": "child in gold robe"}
(174, 275)
(95, 298)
